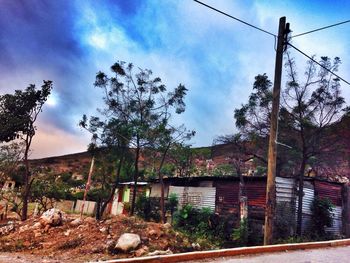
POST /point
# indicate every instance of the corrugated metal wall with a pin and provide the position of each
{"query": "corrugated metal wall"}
(227, 197)
(256, 193)
(334, 193)
(308, 198)
(336, 228)
(329, 190)
(284, 189)
(198, 197)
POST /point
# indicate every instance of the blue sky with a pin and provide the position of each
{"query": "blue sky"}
(181, 41)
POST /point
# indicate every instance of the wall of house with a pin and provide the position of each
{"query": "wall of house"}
(198, 197)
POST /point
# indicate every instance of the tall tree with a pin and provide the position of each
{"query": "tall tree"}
(18, 114)
(308, 110)
(165, 138)
(140, 103)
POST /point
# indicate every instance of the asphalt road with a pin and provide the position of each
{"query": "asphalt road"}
(322, 255)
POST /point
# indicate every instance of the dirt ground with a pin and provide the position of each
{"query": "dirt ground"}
(89, 241)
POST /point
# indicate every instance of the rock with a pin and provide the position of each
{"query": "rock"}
(76, 222)
(152, 232)
(103, 230)
(167, 226)
(160, 252)
(141, 251)
(23, 228)
(37, 225)
(196, 246)
(7, 229)
(37, 233)
(52, 217)
(67, 233)
(110, 245)
(90, 220)
(128, 242)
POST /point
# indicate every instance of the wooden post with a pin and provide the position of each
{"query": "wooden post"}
(87, 187)
(271, 168)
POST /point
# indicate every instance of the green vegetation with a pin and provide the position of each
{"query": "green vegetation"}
(322, 217)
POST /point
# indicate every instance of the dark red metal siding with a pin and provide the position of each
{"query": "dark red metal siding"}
(329, 190)
(227, 197)
(256, 193)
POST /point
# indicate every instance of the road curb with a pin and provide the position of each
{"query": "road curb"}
(181, 257)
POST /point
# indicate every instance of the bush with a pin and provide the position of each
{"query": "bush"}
(202, 225)
(148, 208)
(240, 235)
(322, 216)
(285, 220)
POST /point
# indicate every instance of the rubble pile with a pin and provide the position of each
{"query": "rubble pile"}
(57, 236)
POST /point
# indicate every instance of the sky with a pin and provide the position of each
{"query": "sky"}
(181, 41)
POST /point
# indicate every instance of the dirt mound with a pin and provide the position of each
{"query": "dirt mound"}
(89, 239)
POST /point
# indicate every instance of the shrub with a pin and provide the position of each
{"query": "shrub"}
(148, 208)
(240, 235)
(322, 216)
(285, 220)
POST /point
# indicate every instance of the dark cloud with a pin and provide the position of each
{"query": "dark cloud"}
(40, 36)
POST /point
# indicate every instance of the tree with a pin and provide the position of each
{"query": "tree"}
(18, 114)
(47, 190)
(308, 110)
(165, 137)
(11, 155)
(136, 106)
(109, 149)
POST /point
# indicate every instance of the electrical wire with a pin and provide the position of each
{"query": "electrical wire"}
(319, 64)
(235, 18)
(322, 28)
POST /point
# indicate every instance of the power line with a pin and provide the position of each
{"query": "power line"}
(319, 29)
(319, 64)
(235, 18)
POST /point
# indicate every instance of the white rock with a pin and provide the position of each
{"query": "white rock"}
(76, 222)
(52, 217)
(128, 242)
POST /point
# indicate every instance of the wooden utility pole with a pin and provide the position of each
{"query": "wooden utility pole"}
(272, 154)
(87, 187)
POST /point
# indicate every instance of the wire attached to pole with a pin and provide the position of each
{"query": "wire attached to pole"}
(322, 66)
(322, 28)
(235, 18)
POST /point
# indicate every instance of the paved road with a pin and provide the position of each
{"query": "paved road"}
(323, 255)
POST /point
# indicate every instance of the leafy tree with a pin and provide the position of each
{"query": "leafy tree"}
(137, 105)
(18, 114)
(167, 136)
(11, 155)
(309, 109)
(47, 190)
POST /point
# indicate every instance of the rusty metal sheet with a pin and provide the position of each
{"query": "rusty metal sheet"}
(256, 193)
(329, 190)
(227, 197)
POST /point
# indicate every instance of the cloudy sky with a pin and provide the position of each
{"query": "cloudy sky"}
(215, 57)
